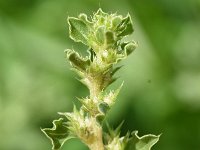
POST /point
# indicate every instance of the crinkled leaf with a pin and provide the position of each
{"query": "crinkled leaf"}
(58, 134)
(84, 18)
(129, 47)
(141, 143)
(125, 27)
(78, 30)
(100, 13)
(76, 60)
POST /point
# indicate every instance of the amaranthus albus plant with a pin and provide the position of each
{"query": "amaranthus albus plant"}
(103, 33)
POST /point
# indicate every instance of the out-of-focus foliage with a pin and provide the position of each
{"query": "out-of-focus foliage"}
(162, 90)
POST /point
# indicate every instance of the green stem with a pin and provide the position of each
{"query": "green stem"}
(95, 89)
(97, 143)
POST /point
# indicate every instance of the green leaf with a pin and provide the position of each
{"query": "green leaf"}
(58, 134)
(76, 60)
(112, 80)
(110, 39)
(100, 34)
(129, 47)
(114, 132)
(91, 54)
(129, 141)
(100, 118)
(103, 107)
(125, 27)
(115, 70)
(84, 18)
(141, 143)
(78, 30)
(116, 21)
(100, 13)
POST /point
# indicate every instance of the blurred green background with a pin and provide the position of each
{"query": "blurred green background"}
(161, 93)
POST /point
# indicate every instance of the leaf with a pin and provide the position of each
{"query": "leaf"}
(103, 107)
(76, 60)
(91, 54)
(100, 13)
(141, 143)
(100, 34)
(116, 21)
(129, 48)
(115, 70)
(100, 118)
(84, 18)
(129, 141)
(58, 134)
(125, 27)
(112, 80)
(78, 30)
(110, 39)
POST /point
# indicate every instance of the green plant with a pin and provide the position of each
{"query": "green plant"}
(103, 34)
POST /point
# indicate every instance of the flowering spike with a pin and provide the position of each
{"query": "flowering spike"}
(103, 33)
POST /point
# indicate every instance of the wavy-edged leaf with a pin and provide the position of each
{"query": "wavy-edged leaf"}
(100, 12)
(125, 27)
(128, 47)
(78, 30)
(76, 60)
(84, 18)
(141, 143)
(58, 134)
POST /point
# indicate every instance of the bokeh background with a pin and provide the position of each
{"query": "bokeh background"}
(161, 93)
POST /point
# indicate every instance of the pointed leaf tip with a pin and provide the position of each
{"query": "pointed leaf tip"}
(58, 134)
(125, 27)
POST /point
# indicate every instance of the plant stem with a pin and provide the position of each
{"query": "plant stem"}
(95, 89)
(97, 143)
